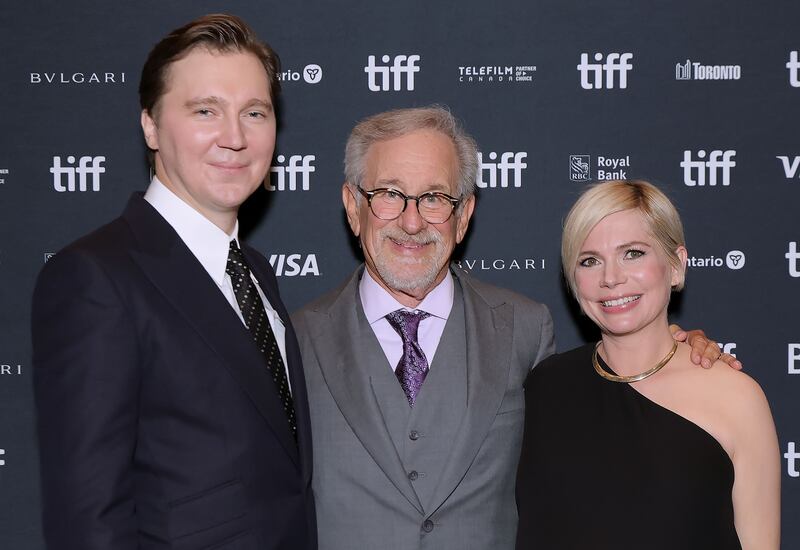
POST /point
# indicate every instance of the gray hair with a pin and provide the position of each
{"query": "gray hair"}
(400, 122)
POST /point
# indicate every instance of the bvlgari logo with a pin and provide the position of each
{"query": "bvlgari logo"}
(77, 78)
(502, 264)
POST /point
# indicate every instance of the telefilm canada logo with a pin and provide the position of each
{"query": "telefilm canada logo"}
(606, 167)
(710, 168)
(392, 73)
(607, 71)
(291, 173)
(76, 78)
(690, 70)
(294, 265)
(310, 74)
(77, 174)
(496, 74)
(502, 264)
(501, 169)
(735, 260)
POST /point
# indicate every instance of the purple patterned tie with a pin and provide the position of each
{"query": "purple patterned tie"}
(413, 366)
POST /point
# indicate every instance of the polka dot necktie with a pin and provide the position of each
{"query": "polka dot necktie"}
(413, 365)
(255, 317)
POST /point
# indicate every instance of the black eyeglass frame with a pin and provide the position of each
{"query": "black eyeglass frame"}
(454, 202)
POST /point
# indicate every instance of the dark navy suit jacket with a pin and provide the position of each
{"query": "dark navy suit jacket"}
(159, 426)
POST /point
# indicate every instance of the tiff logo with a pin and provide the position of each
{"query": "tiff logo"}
(86, 166)
(510, 163)
(299, 165)
(790, 167)
(378, 76)
(792, 456)
(794, 358)
(293, 265)
(729, 348)
(719, 162)
(794, 259)
(599, 75)
(794, 69)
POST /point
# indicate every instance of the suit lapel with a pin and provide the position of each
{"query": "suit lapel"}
(489, 329)
(180, 277)
(337, 335)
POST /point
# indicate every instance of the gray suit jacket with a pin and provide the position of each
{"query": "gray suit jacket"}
(365, 494)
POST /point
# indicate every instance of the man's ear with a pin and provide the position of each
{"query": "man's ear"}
(462, 221)
(351, 208)
(150, 130)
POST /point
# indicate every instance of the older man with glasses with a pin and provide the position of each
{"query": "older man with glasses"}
(415, 369)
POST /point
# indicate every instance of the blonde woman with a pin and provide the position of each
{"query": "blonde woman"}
(628, 444)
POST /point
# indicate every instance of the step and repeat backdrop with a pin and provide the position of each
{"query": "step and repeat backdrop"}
(702, 98)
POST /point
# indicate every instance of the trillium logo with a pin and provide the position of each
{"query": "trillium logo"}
(312, 73)
(735, 259)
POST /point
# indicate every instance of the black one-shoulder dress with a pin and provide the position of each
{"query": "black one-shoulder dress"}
(603, 467)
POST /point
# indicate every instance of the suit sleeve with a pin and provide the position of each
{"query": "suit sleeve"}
(547, 342)
(85, 361)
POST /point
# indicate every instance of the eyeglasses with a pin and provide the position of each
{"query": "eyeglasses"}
(388, 204)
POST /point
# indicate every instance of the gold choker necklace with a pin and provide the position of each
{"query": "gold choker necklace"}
(636, 377)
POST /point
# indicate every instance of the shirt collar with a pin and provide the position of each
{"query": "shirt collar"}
(377, 301)
(206, 241)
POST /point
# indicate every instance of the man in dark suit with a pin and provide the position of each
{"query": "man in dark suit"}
(171, 401)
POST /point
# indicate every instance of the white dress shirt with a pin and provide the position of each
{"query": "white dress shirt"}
(377, 303)
(210, 245)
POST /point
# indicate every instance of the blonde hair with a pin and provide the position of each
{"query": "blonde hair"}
(610, 197)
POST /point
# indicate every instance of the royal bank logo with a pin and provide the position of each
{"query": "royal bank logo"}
(501, 169)
(794, 358)
(794, 69)
(393, 73)
(502, 264)
(605, 168)
(791, 166)
(735, 260)
(793, 257)
(77, 78)
(697, 71)
(495, 74)
(608, 73)
(292, 174)
(709, 168)
(792, 457)
(3, 175)
(311, 74)
(580, 167)
(294, 265)
(70, 177)
(10, 370)
(48, 255)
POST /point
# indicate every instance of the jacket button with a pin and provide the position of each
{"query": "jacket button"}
(413, 435)
(427, 526)
(413, 475)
